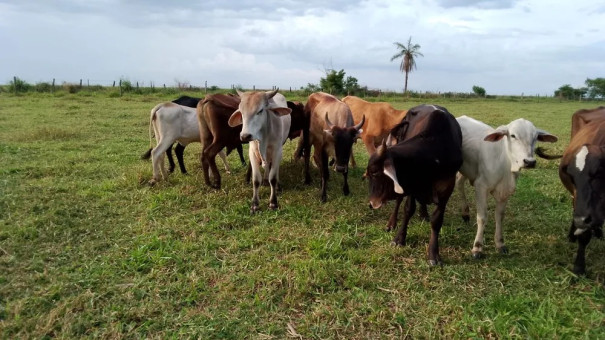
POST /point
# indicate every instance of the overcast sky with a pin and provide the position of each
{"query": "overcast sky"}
(504, 46)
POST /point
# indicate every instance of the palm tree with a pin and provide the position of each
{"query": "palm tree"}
(408, 62)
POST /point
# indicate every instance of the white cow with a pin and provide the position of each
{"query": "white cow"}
(173, 123)
(266, 123)
(492, 160)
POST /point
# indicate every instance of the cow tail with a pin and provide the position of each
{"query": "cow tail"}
(152, 117)
(540, 152)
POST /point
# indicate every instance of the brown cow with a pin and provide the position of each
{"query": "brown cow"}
(332, 133)
(582, 171)
(213, 114)
(380, 118)
(422, 166)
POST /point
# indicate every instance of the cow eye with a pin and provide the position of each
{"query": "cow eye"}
(513, 136)
(259, 111)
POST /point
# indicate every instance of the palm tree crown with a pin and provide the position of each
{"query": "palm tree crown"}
(408, 53)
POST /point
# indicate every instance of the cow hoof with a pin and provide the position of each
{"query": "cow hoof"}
(152, 182)
(323, 199)
(388, 228)
(228, 172)
(273, 206)
(466, 218)
(254, 209)
(579, 271)
(503, 250)
(346, 192)
(477, 256)
(397, 244)
(434, 263)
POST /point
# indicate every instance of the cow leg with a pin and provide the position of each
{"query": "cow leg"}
(223, 157)
(274, 179)
(256, 176)
(436, 223)
(248, 173)
(345, 186)
(460, 182)
(481, 199)
(423, 212)
(307, 157)
(240, 152)
(323, 165)
(179, 151)
(210, 157)
(579, 267)
(498, 237)
(171, 165)
(368, 141)
(157, 160)
(352, 159)
(408, 212)
(393, 219)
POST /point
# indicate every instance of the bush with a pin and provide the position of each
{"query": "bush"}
(71, 87)
(19, 86)
(43, 87)
(126, 85)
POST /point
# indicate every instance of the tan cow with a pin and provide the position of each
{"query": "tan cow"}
(380, 118)
(331, 132)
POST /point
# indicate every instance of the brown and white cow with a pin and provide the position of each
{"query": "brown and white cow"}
(265, 120)
(213, 114)
(380, 118)
(582, 171)
(331, 132)
(422, 167)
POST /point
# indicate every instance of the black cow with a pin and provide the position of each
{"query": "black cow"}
(422, 167)
(582, 171)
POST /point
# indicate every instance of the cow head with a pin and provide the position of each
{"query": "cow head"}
(343, 139)
(520, 137)
(254, 110)
(587, 172)
(382, 177)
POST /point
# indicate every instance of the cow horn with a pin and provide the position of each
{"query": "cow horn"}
(239, 93)
(389, 140)
(382, 148)
(328, 122)
(272, 93)
(363, 120)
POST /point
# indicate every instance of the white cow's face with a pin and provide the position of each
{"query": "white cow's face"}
(253, 112)
(521, 136)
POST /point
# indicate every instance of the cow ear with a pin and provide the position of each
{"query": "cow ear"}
(235, 119)
(544, 136)
(496, 136)
(389, 170)
(239, 93)
(280, 111)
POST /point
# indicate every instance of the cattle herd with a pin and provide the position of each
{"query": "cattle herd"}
(424, 154)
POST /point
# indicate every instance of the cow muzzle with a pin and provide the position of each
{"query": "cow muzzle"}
(375, 204)
(245, 137)
(529, 163)
(582, 223)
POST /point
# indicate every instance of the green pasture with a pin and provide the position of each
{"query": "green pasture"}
(89, 250)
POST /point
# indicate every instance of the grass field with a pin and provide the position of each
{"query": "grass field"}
(88, 249)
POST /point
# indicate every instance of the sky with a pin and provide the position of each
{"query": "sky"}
(508, 47)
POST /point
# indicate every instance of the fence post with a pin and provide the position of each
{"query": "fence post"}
(52, 89)
(114, 84)
(120, 87)
(137, 85)
(15, 83)
(80, 83)
(205, 87)
(87, 82)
